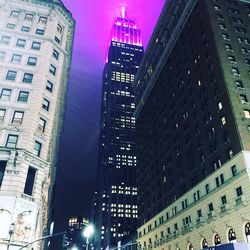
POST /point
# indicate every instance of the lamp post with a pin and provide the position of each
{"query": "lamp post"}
(12, 225)
(87, 233)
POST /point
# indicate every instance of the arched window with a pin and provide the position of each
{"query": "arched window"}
(231, 235)
(247, 231)
(190, 246)
(204, 244)
(217, 240)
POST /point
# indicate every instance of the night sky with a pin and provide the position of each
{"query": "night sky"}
(77, 162)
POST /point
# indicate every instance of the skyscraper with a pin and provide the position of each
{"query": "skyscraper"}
(193, 127)
(116, 194)
(36, 39)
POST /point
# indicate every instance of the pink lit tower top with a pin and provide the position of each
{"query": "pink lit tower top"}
(125, 31)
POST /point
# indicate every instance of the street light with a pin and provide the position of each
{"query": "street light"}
(87, 233)
(74, 248)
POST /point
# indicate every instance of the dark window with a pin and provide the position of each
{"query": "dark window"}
(36, 45)
(207, 188)
(27, 77)
(37, 148)
(59, 28)
(210, 207)
(32, 61)
(11, 141)
(29, 184)
(199, 213)
(52, 69)
(23, 96)
(239, 191)
(234, 170)
(21, 43)
(11, 75)
(55, 54)
(2, 170)
(57, 40)
(224, 200)
(45, 104)
(49, 86)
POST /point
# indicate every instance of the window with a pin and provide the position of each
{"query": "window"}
(223, 120)
(45, 104)
(36, 45)
(27, 77)
(2, 114)
(235, 71)
(220, 106)
(23, 96)
(219, 180)
(210, 207)
(217, 8)
(28, 17)
(32, 61)
(59, 29)
(5, 94)
(49, 86)
(10, 26)
(207, 188)
(42, 19)
(247, 113)
(21, 43)
(222, 26)
(239, 84)
(231, 235)
(57, 40)
(239, 191)
(30, 180)
(16, 58)
(14, 14)
(2, 170)
(25, 29)
(229, 47)
(55, 54)
(199, 213)
(52, 69)
(11, 75)
(2, 55)
(217, 240)
(223, 200)
(225, 37)
(234, 170)
(11, 141)
(5, 40)
(41, 124)
(37, 148)
(243, 98)
(204, 244)
(18, 117)
(39, 32)
(231, 59)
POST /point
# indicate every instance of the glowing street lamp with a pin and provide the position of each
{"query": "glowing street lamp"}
(74, 248)
(87, 233)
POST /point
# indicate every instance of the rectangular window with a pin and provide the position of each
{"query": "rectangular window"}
(11, 141)
(30, 180)
(243, 98)
(239, 84)
(16, 58)
(5, 94)
(32, 61)
(2, 171)
(39, 32)
(57, 40)
(36, 46)
(49, 86)
(239, 191)
(223, 200)
(14, 14)
(2, 55)
(29, 17)
(25, 29)
(55, 54)
(21, 43)
(23, 96)
(42, 20)
(210, 207)
(234, 170)
(10, 26)
(37, 148)
(235, 71)
(247, 113)
(2, 114)
(27, 77)
(45, 104)
(52, 69)
(199, 213)
(207, 188)
(5, 40)
(18, 117)
(41, 125)
(11, 75)
(59, 28)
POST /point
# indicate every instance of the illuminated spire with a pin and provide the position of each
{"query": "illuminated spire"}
(123, 12)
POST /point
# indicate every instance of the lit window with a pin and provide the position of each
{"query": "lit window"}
(28, 77)
(45, 104)
(30, 180)
(32, 61)
(14, 14)
(36, 45)
(49, 86)
(52, 69)
(10, 26)
(21, 43)
(220, 106)
(5, 40)
(5, 94)
(28, 17)
(23, 96)
(41, 124)
(39, 32)
(11, 75)
(247, 113)
(2, 114)
(18, 117)
(37, 148)
(16, 58)
(55, 54)
(223, 120)
(25, 29)
(11, 141)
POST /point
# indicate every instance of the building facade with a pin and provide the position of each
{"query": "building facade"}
(116, 193)
(36, 39)
(193, 127)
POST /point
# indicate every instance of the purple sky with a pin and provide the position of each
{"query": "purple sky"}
(79, 142)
